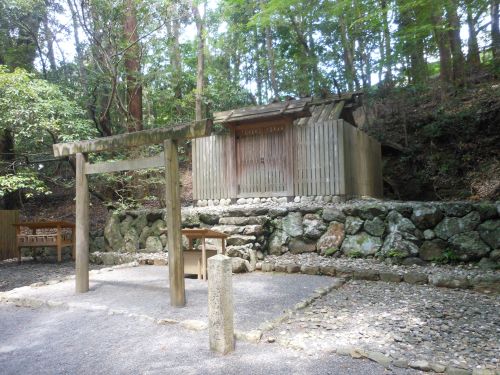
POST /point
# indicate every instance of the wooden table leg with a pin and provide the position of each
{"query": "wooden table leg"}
(223, 246)
(33, 249)
(203, 258)
(59, 245)
(73, 245)
(18, 232)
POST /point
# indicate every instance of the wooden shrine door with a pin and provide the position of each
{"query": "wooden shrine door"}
(264, 160)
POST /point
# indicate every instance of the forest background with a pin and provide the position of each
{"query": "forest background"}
(72, 70)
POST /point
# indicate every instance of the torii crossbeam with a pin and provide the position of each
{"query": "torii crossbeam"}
(169, 137)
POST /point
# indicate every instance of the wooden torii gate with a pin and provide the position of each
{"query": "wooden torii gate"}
(169, 137)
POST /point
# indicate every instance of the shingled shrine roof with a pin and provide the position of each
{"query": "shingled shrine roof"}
(302, 110)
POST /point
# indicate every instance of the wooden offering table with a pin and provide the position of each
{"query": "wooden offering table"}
(195, 261)
(50, 234)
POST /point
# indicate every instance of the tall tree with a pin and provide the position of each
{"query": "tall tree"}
(495, 34)
(132, 57)
(200, 70)
(458, 60)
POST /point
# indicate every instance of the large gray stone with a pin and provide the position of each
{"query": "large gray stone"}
(131, 240)
(486, 210)
(413, 277)
(239, 239)
(253, 230)
(275, 212)
(297, 246)
(396, 246)
(333, 237)
(468, 246)
(153, 245)
(353, 224)
(361, 244)
(292, 224)
(456, 209)
(239, 265)
(112, 233)
(140, 222)
(239, 251)
(97, 244)
(158, 227)
(277, 242)
(433, 250)
(375, 227)
(313, 226)
(190, 219)
(146, 232)
(449, 281)
(490, 233)
(125, 224)
(398, 223)
(451, 226)
(333, 214)
(229, 229)
(426, 216)
(210, 218)
(367, 211)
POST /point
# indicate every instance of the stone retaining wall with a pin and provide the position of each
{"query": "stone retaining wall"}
(405, 232)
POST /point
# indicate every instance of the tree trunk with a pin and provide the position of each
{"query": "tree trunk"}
(10, 200)
(387, 42)
(49, 40)
(495, 35)
(133, 68)
(445, 72)
(200, 112)
(173, 29)
(458, 60)
(473, 59)
(78, 45)
(348, 47)
(271, 63)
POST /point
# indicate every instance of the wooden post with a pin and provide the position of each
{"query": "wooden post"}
(59, 244)
(18, 248)
(82, 226)
(173, 202)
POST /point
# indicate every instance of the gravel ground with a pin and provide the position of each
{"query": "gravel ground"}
(52, 341)
(14, 275)
(451, 327)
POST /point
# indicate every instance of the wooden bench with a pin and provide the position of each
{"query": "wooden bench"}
(56, 238)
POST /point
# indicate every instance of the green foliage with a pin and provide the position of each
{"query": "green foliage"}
(38, 113)
(355, 254)
(395, 254)
(449, 256)
(330, 251)
(26, 181)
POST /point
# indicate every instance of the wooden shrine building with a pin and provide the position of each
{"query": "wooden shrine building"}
(298, 147)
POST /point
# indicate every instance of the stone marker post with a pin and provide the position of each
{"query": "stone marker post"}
(220, 304)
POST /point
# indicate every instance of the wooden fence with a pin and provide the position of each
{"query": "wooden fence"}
(326, 157)
(8, 234)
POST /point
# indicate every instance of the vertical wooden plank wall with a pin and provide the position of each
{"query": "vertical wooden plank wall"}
(8, 233)
(363, 163)
(318, 156)
(211, 168)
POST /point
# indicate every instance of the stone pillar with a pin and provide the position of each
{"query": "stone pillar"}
(220, 304)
